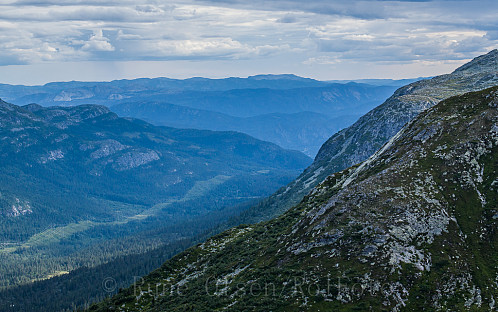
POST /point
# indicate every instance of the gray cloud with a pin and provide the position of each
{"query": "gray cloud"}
(69, 2)
(288, 18)
(328, 32)
(492, 35)
(364, 9)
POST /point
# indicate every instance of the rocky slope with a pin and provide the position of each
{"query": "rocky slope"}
(412, 228)
(357, 142)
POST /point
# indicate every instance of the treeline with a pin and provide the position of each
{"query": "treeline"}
(86, 285)
(103, 262)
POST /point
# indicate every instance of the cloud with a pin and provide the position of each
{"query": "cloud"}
(149, 9)
(196, 47)
(288, 18)
(330, 33)
(69, 2)
(322, 60)
(211, 48)
(492, 35)
(398, 40)
(122, 36)
(97, 42)
(364, 9)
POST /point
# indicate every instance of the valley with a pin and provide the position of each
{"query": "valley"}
(248, 156)
(82, 178)
(392, 233)
(98, 200)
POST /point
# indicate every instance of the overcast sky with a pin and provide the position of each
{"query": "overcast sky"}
(42, 41)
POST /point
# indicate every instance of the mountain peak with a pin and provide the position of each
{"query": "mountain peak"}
(33, 107)
(277, 77)
(481, 63)
(6, 107)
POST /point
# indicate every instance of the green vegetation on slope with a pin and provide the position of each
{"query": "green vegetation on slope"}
(412, 228)
(80, 187)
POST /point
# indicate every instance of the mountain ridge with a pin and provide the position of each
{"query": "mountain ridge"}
(229, 100)
(411, 228)
(303, 131)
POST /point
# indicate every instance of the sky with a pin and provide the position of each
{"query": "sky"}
(91, 40)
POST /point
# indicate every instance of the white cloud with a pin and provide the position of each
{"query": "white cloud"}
(97, 42)
(196, 47)
(213, 48)
(122, 36)
(322, 60)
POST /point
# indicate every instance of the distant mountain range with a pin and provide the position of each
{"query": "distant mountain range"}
(66, 92)
(412, 228)
(382, 82)
(113, 92)
(293, 112)
(304, 131)
(72, 178)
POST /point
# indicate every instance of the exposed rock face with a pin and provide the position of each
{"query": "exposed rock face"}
(110, 151)
(68, 96)
(135, 159)
(412, 228)
(51, 156)
(106, 148)
(11, 206)
(358, 142)
(19, 209)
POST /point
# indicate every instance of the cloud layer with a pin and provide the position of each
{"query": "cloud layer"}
(329, 33)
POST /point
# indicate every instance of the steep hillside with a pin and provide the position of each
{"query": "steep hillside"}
(357, 142)
(412, 228)
(77, 177)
